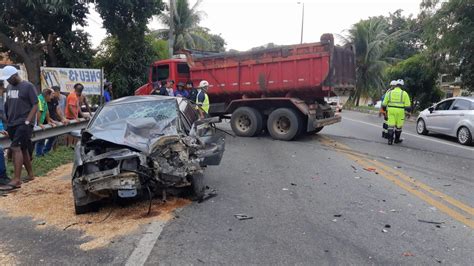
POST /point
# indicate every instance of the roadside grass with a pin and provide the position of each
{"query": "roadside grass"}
(52, 160)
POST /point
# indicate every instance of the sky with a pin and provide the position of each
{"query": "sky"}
(250, 23)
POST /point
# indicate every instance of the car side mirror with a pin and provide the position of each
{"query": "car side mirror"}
(431, 109)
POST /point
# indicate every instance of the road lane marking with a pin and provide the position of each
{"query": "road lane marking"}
(414, 187)
(140, 254)
(413, 135)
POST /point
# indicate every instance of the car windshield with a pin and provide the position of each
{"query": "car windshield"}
(128, 112)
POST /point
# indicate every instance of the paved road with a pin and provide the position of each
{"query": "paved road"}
(312, 202)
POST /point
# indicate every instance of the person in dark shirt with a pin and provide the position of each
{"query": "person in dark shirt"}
(20, 109)
(181, 92)
(4, 179)
(192, 91)
(108, 95)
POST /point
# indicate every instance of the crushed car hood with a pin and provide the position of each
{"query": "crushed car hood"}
(142, 134)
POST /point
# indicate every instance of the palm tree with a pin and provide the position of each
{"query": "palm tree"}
(369, 38)
(186, 26)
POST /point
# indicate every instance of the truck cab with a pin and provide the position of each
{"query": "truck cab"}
(169, 69)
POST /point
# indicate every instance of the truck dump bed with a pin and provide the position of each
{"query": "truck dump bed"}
(306, 71)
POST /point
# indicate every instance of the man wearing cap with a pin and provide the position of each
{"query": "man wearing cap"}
(395, 103)
(181, 92)
(20, 109)
(202, 99)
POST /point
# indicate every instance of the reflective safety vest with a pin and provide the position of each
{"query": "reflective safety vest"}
(397, 98)
(204, 104)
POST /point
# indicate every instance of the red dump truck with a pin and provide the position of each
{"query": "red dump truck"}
(279, 89)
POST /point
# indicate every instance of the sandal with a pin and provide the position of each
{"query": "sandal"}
(9, 187)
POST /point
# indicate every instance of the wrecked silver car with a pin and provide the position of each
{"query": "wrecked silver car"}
(143, 144)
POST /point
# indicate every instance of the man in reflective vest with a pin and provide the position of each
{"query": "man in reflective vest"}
(396, 102)
(202, 99)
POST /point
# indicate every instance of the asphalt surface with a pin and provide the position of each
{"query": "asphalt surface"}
(311, 202)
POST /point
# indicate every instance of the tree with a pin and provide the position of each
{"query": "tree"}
(32, 30)
(214, 42)
(369, 38)
(127, 55)
(420, 78)
(187, 33)
(449, 35)
(406, 36)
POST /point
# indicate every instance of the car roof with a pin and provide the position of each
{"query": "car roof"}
(144, 98)
(464, 98)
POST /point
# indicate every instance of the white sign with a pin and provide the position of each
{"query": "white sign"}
(65, 78)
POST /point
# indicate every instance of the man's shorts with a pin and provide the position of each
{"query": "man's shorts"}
(21, 136)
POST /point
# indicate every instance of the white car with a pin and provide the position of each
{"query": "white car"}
(453, 117)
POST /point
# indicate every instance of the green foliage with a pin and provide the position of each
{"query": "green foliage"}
(449, 35)
(406, 36)
(159, 48)
(43, 165)
(214, 42)
(35, 30)
(370, 39)
(126, 55)
(187, 32)
(420, 79)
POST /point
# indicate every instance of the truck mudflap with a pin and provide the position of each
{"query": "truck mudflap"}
(313, 124)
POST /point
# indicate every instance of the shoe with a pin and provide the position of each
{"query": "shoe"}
(397, 141)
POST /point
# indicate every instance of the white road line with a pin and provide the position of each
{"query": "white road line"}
(142, 251)
(414, 135)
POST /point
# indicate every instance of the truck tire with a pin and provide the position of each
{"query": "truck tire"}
(246, 122)
(284, 124)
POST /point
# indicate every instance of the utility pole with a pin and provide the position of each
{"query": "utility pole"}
(302, 21)
(171, 30)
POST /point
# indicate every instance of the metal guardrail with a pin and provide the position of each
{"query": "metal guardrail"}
(50, 131)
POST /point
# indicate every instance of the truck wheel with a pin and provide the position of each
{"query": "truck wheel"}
(246, 122)
(284, 124)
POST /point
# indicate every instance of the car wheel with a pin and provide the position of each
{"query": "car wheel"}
(197, 185)
(284, 124)
(464, 136)
(246, 122)
(421, 127)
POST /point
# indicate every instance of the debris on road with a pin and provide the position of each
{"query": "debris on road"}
(41, 223)
(430, 222)
(387, 226)
(370, 169)
(284, 189)
(353, 167)
(242, 216)
(337, 215)
(53, 204)
(447, 185)
(393, 210)
(408, 254)
(384, 230)
(334, 220)
(293, 184)
(357, 177)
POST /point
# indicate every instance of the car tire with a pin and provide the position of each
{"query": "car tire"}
(284, 124)
(246, 122)
(197, 185)
(464, 136)
(421, 127)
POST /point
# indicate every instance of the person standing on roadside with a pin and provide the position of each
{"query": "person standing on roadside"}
(43, 117)
(192, 91)
(108, 95)
(4, 179)
(56, 116)
(20, 109)
(169, 87)
(202, 99)
(181, 92)
(73, 107)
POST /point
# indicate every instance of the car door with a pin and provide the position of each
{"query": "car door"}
(436, 120)
(458, 111)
